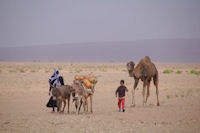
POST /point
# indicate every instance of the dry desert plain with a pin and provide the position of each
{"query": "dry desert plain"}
(24, 94)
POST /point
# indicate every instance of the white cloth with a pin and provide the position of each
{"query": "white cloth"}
(55, 77)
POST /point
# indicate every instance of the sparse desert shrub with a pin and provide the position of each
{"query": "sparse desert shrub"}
(176, 95)
(98, 76)
(182, 95)
(178, 72)
(89, 67)
(124, 70)
(103, 70)
(12, 70)
(46, 71)
(151, 105)
(168, 71)
(22, 70)
(104, 66)
(60, 68)
(78, 70)
(168, 96)
(195, 72)
(189, 91)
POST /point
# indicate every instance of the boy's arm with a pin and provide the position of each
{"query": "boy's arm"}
(126, 89)
(116, 92)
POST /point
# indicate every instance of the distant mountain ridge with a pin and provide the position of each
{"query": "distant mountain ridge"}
(160, 50)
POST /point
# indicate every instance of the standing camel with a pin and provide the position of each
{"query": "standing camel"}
(84, 87)
(145, 70)
(81, 95)
(62, 93)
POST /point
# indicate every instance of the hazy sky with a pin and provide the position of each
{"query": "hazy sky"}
(38, 22)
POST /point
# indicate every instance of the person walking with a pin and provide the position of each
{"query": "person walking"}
(121, 95)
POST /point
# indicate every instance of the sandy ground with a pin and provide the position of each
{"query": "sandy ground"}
(24, 94)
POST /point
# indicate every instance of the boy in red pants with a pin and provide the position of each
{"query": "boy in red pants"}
(121, 95)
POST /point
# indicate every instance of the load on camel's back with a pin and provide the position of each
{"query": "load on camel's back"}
(84, 88)
(88, 80)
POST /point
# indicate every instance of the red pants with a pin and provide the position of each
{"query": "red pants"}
(121, 101)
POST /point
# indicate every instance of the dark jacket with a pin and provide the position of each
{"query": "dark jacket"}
(121, 91)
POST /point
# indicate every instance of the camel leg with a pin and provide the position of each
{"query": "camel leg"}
(68, 104)
(64, 105)
(81, 102)
(91, 103)
(155, 80)
(133, 99)
(158, 104)
(148, 92)
(143, 92)
(86, 104)
(77, 104)
(133, 92)
(59, 105)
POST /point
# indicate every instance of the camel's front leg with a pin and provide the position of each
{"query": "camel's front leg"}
(143, 92)
(81, 102)
(133, 97)
(59, 104)
(148, 92)
(86, 104)
(68, 104)
(133, 92)
(77, 104)
(158, 103)
(91, 103)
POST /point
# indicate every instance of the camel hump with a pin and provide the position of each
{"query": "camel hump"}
(147, 59)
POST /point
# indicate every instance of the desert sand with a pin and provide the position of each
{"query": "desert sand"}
(24, 94)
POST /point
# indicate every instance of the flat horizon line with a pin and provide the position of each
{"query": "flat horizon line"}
(94, 62)
(90, 42)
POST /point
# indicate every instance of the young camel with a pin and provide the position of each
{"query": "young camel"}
(145, 70)
(62, 93)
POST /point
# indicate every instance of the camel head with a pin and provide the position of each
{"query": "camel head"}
(130, 66)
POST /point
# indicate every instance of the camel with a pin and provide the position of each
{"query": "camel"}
(84, 88)
(62, 93)
(80, 95)
(145, 70)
